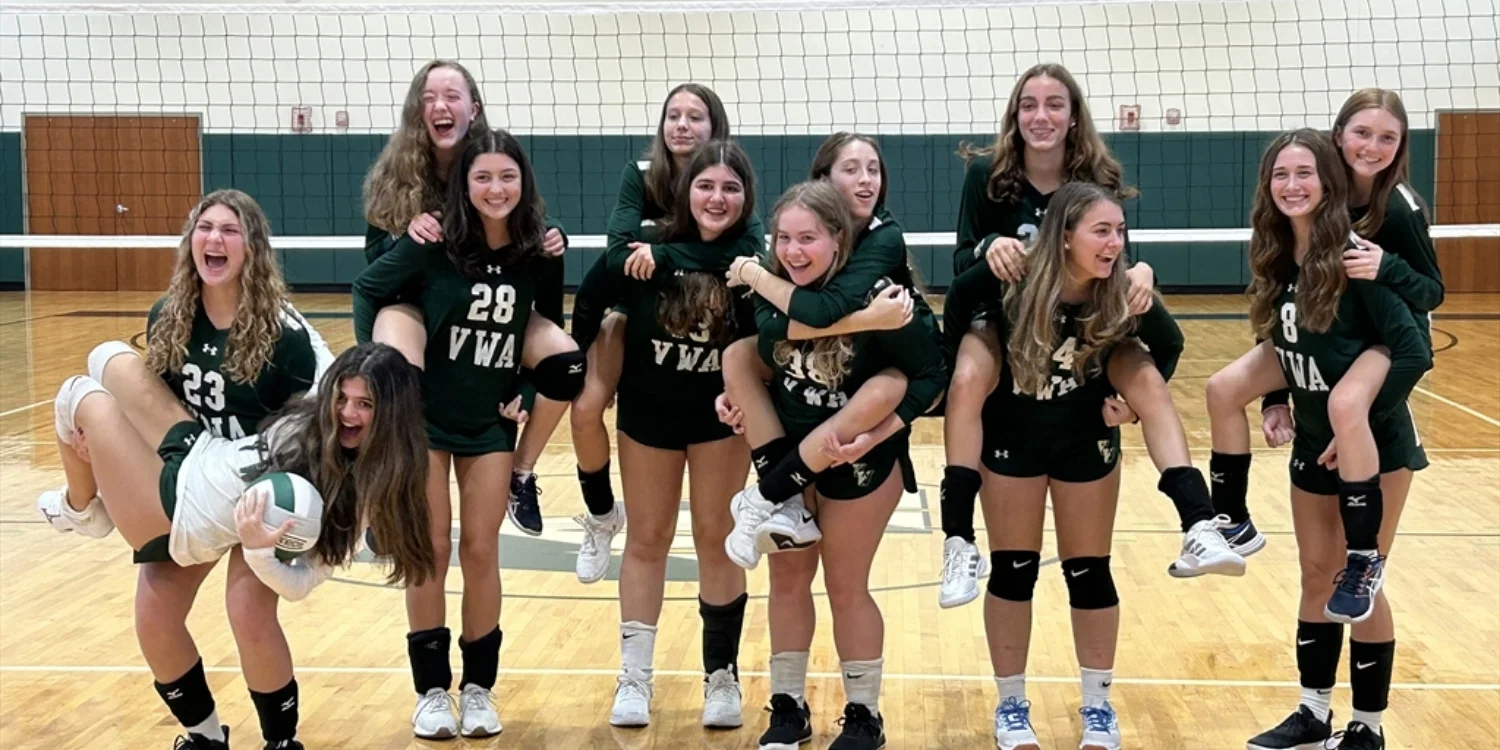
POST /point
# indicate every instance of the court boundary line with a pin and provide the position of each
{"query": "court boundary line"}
(697, 674)
(1467, 410)
(20, 409)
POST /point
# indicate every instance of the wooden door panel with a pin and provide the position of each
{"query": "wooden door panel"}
(1468, 192)
(109, 175)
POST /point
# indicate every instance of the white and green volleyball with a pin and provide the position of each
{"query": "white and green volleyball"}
(292, 497)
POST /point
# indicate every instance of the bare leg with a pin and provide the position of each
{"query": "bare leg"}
(716, 471)
(653, 494)
(1349, 414)
(426, 605)
(1014, 510)
(1085, 517)
(605, 359)
(745, 378)
(543, 339)
(851, 534)
(482, 486)
(265, 657)
(401, 326)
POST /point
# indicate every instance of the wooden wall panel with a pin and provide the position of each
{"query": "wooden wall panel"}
(1468, 192)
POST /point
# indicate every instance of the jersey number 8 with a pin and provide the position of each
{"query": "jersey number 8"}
(1289, 322)
(504, 299)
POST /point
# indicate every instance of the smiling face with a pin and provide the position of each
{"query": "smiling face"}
(717, 199)
(1096, 243)
(686, 124)
(355, 411)
(1044, 113)
(448, 108)
(1295, 187)
(1369, 141)
(495, 185)
(857, 175)
(218, 246)
(804, 245)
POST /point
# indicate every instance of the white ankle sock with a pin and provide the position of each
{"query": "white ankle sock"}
(1320, 702)
(1011, 687)
(210, 728)
(1096, 684)
(862, 682)
(637, 646)
(789, 674)
(1370, 719)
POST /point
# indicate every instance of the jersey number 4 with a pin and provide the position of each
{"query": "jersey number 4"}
(195, 380)
(493, 303)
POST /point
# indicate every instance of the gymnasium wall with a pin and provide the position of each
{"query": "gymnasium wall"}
(584, 91)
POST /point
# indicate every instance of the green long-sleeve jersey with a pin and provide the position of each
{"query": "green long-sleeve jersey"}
(227, 408)
(1067, 399)
(1312, 363)
(476, 330)
(803, 403)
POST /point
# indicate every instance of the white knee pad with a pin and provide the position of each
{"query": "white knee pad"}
(101, 355)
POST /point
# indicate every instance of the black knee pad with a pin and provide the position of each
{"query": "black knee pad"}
(1013, 574)
(1090, 585)
(560, 376)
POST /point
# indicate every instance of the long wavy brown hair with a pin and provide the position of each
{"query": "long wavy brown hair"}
(263, 296)
(828, 154)
(404, 182)
(1032, 305)
(1398, 173)
(826, 359)
(697, 302)
(383, 483)
(661, 175)
(1321, 280)
(1085, 159)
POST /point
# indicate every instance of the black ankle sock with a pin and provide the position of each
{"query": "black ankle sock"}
(1230, 473)
(1370, 666)
(769, 455)
(188, 696)
(722, 624)
(481, 659)
(1318, 648)
(1361, 507)
(598, 494)
(1185, 486)
(956, 501)
(277, 711)
(428, 652)
(787, 480)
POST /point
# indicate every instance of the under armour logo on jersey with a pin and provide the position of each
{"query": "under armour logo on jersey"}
(492, 269)
(1298, 464)
(211, 350)
(1002, 454)
(190, 439)
(575, 369)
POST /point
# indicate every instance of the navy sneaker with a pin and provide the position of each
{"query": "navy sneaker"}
(1355, 588)
(525, 509)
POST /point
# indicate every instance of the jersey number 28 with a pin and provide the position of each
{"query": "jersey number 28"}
(503, 297)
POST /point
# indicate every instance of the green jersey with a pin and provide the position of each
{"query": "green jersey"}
(803, 401)
(637, 218)
(475, 333)
(1067, 398)
(230, 409)
(981, 220)
(1312, 363)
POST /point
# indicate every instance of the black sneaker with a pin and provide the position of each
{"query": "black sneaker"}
(1243, 538)
(525, 511)
(1361, 737)
(1300, 731)
(1355, 588)
(862, 731)
(199, 742)
(791, 724)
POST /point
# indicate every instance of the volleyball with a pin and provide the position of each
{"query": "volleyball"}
(293, 498)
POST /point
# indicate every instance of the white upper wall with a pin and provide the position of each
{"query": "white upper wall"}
(919, 68)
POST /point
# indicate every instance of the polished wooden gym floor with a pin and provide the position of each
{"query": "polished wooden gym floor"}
(1202, 664)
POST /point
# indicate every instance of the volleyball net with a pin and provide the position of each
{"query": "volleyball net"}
(115, 117)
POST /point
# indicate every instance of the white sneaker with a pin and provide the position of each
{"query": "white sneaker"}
(476, 709)
(1205, 551)
(1013, 729)
(69, 395)
(722, 701)
(788, 527)
(632, 700)
(749, 513)
(1101, 728)
(93, 522)
(433, 717)
(962, 567)
(598, 534)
